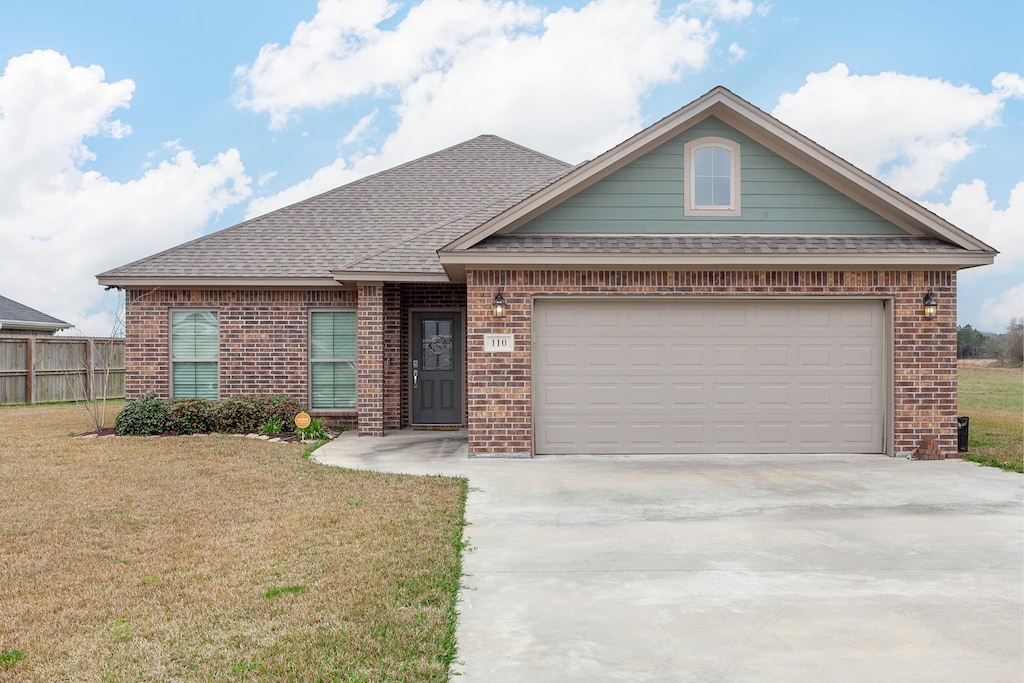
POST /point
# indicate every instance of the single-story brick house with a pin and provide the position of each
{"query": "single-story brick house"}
(20, 320)
(716, 283)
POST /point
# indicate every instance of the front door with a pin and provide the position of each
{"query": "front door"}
(436, 367)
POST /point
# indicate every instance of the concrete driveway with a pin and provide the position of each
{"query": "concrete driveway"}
(728, 568)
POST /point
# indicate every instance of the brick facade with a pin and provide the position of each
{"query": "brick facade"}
(264, 337)
(923, 363)
(370, 362)
(264, 341)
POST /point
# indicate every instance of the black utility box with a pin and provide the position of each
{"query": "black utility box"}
(963, 425)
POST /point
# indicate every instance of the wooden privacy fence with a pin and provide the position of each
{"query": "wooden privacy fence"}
(49, 369)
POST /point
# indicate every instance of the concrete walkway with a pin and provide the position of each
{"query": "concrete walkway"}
(728, 568)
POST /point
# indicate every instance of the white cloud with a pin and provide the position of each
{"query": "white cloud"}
(341, 52)
(61, 224)
(996, 312)
(730, 10)
(359, 130)
(736, 53)
(907, 130)
(568, 82)
(970, 208)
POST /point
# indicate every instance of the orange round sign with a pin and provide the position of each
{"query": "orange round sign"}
(302, 420)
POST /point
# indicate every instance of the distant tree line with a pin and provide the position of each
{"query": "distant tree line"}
(1007, 347)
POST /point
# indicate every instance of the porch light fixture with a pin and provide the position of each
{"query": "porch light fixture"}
(930, 307)
(499, 306)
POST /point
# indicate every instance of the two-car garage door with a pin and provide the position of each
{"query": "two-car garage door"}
(656, 375)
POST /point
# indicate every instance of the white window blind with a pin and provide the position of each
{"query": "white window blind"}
(194, 352)
(332, 343)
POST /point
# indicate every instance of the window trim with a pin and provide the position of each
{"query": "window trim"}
(689, 183)
(310, 360)
(170, 347)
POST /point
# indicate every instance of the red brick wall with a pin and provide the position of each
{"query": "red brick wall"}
(263, 338)
(924, 354)
(264, 341)
(370, 364)
(393, 335)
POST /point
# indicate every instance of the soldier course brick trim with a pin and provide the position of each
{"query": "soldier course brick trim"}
(923, 363)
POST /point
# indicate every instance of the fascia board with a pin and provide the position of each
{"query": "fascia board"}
(138, 281)
(619, 260)
(23, 325)
(385, 276)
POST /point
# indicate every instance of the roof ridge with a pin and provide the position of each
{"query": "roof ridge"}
(526, 149)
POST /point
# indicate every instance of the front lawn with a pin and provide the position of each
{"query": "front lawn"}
(993, 399)
(202, 558)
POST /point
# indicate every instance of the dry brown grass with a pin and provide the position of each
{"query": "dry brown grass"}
(152, 558)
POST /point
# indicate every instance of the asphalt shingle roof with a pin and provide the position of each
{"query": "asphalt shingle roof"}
(715, 244)
(12, 311)
(394, 220)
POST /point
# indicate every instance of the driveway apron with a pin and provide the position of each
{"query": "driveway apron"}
(727, 567)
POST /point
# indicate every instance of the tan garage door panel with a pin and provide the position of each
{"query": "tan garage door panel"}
(683, 376)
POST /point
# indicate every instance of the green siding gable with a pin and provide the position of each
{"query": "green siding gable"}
(646, 196)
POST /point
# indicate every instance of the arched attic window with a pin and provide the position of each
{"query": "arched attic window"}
(711, 177)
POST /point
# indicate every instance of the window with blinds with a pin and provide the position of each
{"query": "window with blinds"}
(194, 351)
(332, 344)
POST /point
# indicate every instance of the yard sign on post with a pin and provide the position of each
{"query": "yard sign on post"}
(302, 420)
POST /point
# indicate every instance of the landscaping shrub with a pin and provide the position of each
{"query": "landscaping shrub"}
(143, 416)
(235, 415)
(239, 414)
(316, 431)
(190, 416)
(282, 409)
(271, 427)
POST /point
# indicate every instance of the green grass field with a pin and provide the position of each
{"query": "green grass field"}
(993, 398)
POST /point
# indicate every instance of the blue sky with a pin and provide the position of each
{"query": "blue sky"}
(128, 127)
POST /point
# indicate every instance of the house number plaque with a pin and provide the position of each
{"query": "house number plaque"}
(499, 343)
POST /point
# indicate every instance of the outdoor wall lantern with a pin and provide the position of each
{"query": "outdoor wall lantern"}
(499, 306)
(930, 307)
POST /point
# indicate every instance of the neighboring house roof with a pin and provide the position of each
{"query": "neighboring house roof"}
(393, 222)
(428, 219)
(20, 317)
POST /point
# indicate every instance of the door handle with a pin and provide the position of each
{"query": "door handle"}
(415, 379)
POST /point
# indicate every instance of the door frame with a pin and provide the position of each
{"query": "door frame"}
(460, 330)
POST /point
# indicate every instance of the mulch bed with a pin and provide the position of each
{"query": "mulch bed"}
(290, 437)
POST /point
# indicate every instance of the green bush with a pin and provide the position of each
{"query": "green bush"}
(239, 414)
(282, 409)
(142, 416)
(316, 431)
(271, 427)
(190, 416)
(235, 415)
